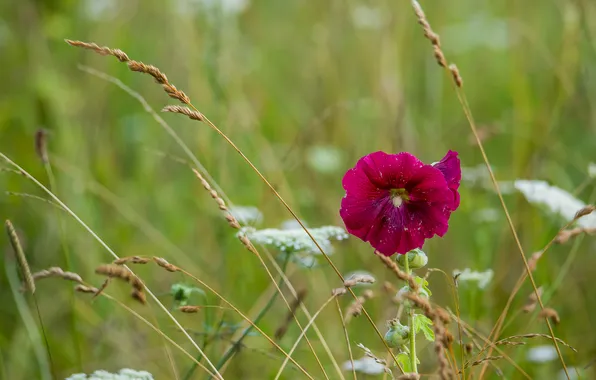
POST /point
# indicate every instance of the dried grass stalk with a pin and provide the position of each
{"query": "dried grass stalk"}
(281, 330)
(102, 50)
(532, 301)
(392, 266)
(459, 82)
(551, 314)
(57, 272)
(194, 115)
(587, 210)
(219, 200)
(164, 264)
(120, 272)
(20, 255)
(408, 376)
(531, 336)
(139, 295)
(136, 66)
(132, 260)
(565, 235)
(41, 145)
(359, 279)
(189, 309)
(86, 289)
(355, 308)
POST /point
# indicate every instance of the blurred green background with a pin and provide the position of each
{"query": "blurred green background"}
(304, 88)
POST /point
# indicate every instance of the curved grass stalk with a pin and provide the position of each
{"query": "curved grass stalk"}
(343, 325)
(210, 179)
(218, 295)
(110, 251)
(173, 92)
(302, 334)
(457, 81)
(29, 322)
(67, 255)
(157, 330)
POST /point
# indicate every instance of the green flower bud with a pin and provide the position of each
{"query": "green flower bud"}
(399, 297)
(416, 259)
(398, 335)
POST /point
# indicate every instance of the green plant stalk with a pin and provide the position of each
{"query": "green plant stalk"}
(69, 266)
(413, 359)
(45, 372)
(238, 343)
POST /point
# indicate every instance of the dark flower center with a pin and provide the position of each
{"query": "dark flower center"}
(399, 196)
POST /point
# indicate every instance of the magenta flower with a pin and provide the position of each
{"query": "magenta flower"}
(395, 201)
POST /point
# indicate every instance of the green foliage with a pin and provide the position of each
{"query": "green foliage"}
(424, 324)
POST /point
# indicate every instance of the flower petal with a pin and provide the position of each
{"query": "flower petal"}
(451, 168)
(370, 214)
(387, 171)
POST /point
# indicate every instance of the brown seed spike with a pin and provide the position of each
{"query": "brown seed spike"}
(140, 67)
(189, 309)
(139, 296)
(459, 82)
(102, 50)
(585, 211)
(550, 314)
(194, 115)
(86, 289)
(41, 145)
(164, 264)
(20, 255)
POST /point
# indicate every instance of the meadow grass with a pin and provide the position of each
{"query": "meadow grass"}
(508, 87)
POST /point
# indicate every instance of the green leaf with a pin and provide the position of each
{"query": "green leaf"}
(404, 361)
(423, 284)
(422, 323)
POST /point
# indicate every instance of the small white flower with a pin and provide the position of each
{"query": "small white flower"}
(123, 374)
(366, 365)
(556, 200)
(592, 170)
(475, 175)
(291, 224)
(296, 240)
(573, 374)
(247, 214)
(542, 354)
(481, 278)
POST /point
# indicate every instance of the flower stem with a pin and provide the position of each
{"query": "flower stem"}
(413, 359)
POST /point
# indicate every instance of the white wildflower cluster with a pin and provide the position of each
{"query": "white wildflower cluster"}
(365, 365)
(247, 214)
(542, 354)
(556, 200)
(324, 159)
(468, 275)
(226, 7)
(296, 240)
(123, 374)
(475, 175)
